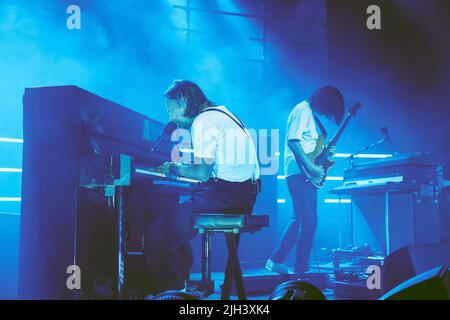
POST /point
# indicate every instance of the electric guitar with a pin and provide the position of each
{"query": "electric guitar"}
(320, 155)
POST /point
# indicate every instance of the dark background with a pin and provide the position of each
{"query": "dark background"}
(401, 72)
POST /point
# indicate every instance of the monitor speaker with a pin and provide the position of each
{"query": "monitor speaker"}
(410, 261)
(430, 285)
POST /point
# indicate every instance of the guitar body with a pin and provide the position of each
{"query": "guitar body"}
(321, 153)
(319, 157)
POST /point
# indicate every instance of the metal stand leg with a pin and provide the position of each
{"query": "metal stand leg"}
(386, 221)
(352, 229)
(119, 210)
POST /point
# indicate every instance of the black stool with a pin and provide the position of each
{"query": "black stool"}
(231, 225)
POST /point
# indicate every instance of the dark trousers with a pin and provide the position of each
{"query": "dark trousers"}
(174, 252)
(301, 229)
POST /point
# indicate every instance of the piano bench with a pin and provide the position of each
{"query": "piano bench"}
(231, 225)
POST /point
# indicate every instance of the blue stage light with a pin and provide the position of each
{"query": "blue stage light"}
(18, 170)
(11, 140)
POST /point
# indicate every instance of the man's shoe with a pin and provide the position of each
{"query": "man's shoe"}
(298, 271)
(276, 266)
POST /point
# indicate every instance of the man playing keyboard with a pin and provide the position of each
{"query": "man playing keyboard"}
(224, 158)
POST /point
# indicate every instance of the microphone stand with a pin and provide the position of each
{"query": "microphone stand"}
(370, 146)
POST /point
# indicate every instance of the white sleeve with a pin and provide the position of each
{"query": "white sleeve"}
(297, 125)
(204, 137)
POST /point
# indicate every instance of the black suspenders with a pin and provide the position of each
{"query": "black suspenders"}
(238, 121)
(241, 125)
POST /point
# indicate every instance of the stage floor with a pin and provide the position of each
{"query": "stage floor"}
(260, 282)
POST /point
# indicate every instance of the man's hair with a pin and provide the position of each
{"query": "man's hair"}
(195, 98)
(328, 100)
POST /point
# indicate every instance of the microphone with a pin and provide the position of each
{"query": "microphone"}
(387, 138)
(167, 131)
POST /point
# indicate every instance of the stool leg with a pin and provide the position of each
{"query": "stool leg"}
(229, 275)
(206, 263)
(238, 271)
(233, 269)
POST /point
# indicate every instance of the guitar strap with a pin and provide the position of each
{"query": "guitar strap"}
(323, 131)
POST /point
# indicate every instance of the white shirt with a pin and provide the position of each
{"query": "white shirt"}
(300, 126)
(216, 136)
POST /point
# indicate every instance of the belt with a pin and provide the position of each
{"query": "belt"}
(236, 184)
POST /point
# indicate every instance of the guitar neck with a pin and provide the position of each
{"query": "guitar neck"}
(341, 129)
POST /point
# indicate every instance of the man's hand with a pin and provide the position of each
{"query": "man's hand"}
(332, 151)
(164, 168)
(202, 172)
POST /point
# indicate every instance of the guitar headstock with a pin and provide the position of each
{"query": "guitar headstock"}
(353, 109)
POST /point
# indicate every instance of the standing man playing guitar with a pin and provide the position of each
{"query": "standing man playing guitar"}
(301, 171)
